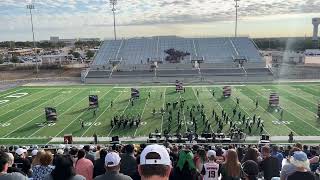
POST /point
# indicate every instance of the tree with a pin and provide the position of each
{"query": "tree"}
(1, 59)
(76, 55)
(14, 59)
(175, 56)
(90, 54)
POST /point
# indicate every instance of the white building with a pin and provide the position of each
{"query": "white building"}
(312, 56)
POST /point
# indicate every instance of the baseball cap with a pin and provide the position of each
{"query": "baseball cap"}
(211, 153)
(112, 159)
(300, 156)
(34, 152)
(20, 151)
(60, 151)
(163, 159)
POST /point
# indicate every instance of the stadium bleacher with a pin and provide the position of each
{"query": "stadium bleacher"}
(219, 58)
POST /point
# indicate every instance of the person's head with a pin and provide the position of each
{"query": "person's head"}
(129, 148)
(103, 153)
(46, 158)
(81, 153)
(275, 148)
(298, 145)
(36, 159)
(86, 148)
(112, 162)
(202, 154)
(300, 160)
(232, 163)
(20, 152)
(211, 155)
(4, 161)
(154, 163)
(63, 168)
(251, 154)
(250, 170)
(265, 151)
(11, 159)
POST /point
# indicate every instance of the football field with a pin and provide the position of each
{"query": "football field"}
(22, 109)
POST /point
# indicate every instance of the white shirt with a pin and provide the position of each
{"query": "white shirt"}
(211, 169)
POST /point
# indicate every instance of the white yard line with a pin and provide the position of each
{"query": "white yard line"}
(59, 115)
(39, 115)
(100, 116)
(120, 115)
(145, 105)
(32, 108)
(315, 104)
(10, 92)
(76, 118)
(22, 104)
(164, 100)
(184, 118)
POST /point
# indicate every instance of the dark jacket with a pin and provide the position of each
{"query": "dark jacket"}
(270, 168)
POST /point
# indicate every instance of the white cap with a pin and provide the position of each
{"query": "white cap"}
(20, 151)
(34, 152)
(60, 151)
(112, 159)
(211, 153)
(91, 147)
(160, 150)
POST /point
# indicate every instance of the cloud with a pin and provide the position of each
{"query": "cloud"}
(83, 14)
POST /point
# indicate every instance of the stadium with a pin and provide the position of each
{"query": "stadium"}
(207, 100)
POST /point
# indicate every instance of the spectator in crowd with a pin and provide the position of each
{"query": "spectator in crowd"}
(200, 158)
(99, 164)
(230, 170)
(22, 161)
(128, 164)
(11, 165)
(4, 164)
(210, 170)
(64, 170)
(34, 154)
(155, 163)
(306, 150)
(36, 158)
(277, 154)
(220, 158)
(288, 167)
(89, 153)
(185, 168)
(301, 162)
(250, 170)
(251, 154)
(269, 165)
(84, 166)
(112, 165)
(97, 153)
(40, 171)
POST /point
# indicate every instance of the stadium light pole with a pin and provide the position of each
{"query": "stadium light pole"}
(31, 7)
(236, 26)
(113, 4)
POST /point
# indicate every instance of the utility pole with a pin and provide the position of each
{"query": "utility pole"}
(236, 26)
(113, 4)
(31, 7)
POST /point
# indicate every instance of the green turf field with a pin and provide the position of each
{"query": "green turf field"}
(22, 109)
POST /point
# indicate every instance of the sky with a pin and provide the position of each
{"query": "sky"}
(137, 18)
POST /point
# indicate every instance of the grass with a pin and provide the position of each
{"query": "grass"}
(20, 117)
